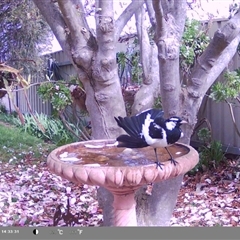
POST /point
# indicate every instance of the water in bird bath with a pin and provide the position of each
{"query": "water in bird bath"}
(109, 155)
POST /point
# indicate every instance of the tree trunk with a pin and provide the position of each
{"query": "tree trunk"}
(169, 31)
(99, 103)
(94, 58)
(149, 91)
(209, 66)
(156, 210)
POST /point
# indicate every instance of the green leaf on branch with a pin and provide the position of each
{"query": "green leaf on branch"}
(57, 93)
(227, 90)
(194, 42)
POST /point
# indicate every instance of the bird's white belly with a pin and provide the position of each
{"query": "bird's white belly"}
(155, 143)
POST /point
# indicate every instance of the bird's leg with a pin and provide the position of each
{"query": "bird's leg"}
(159, 164)
(171, 158)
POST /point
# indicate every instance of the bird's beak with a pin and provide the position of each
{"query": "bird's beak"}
(183, 121)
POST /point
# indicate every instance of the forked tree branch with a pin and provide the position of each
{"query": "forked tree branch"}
(105, 26)
(208, 67)
(55, 20)
(144, 44)
(168, 35)
(74, 17)
(179, 9)
(151, 13)
(215, 58)
(126, 16)
(157, 7)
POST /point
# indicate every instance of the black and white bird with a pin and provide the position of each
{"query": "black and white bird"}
(149, 128)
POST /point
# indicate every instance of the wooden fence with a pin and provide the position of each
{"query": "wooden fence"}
(219, 116)
(36, 103)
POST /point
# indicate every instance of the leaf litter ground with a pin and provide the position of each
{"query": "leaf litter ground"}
(32, 196)
(211, 198)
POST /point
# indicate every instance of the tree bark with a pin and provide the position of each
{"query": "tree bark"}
(169, 29)
(209, 66)
(156, 210)
(94, 57)
(126, 15)
(149, 91)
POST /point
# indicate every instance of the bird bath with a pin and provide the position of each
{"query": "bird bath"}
(120, 170)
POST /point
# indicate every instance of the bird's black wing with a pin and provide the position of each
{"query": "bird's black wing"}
(133, 125)
(128, 124)
(155, 131)
(131, 142)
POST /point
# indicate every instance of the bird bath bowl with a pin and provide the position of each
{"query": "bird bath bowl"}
(120, 170)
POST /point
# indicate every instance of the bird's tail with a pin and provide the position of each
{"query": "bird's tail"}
(130, 125)
(131, 142)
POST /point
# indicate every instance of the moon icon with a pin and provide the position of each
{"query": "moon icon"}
(35, 232)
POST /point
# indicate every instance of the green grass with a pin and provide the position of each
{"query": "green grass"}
(55, 131)
(8, 118)
(16, 145)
